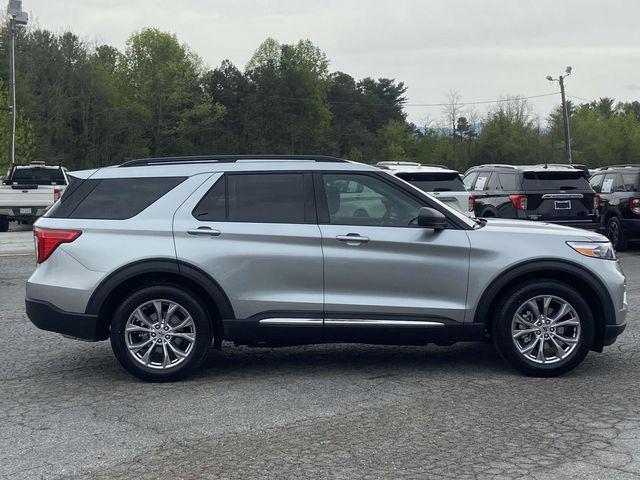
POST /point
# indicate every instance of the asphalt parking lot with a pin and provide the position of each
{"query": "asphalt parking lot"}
(68, 410)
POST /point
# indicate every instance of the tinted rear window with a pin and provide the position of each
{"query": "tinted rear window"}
(630, 181)
(113, 198)
(38, 176)
(555, 181)
(433, 181)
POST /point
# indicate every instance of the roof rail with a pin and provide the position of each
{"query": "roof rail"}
(404, 164)
(627, 165)
(227, 159)
(514, 167)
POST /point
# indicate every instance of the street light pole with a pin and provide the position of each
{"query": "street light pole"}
(17, 17)
(565, 113)
(12, 92)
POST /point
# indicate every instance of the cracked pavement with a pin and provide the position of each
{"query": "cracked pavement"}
(68, 410)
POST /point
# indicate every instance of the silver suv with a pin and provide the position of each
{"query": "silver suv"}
(166, 256)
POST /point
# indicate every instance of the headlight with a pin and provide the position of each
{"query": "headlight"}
(602, 250)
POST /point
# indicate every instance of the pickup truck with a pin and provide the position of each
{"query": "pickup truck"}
(28, 191)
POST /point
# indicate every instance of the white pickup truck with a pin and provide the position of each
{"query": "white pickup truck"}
(28, 191)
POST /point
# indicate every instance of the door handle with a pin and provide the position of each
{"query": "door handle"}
(212, 232)
(352, 238)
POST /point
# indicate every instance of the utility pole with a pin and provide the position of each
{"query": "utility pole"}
(565, 113)
(17, 18)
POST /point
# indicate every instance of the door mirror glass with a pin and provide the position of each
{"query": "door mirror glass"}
(430, 218)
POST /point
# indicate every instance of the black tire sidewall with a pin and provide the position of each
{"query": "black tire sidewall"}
(507, 309)
(168, 292)
(622, 239)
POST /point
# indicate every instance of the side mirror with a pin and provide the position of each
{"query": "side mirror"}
(430, 218)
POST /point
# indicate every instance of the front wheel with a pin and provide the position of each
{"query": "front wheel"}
(160, 333)
(544, 329)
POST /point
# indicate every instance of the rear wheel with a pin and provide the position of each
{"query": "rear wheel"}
(544, 328)
(615, 234)
(4, 223)
(160, 333)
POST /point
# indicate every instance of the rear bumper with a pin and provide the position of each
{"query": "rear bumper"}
(79, 325)
(24, 212)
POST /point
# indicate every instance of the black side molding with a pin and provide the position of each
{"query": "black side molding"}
(49, 317)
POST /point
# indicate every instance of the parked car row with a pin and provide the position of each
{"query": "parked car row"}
(605, 199)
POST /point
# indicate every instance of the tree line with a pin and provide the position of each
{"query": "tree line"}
(84, 105)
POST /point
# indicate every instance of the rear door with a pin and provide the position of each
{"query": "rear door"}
(558, 195)
(381, 269)
(255, 233)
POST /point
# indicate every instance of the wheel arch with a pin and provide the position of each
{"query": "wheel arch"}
(114, 288)
(574, 275)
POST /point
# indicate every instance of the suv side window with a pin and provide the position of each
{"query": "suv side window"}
(259, 198)
(596, 182)
(481, 182)
(469, 179)
(608, 183)
(618, 184)
(508, 181)
(493, 183)
(630, 182)
(376, 203)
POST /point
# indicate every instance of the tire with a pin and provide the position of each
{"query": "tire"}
(616, 235)
(168, 355)
(4, 223)
(580, 336)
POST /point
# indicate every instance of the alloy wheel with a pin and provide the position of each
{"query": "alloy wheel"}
(546, 329)
(160, 334)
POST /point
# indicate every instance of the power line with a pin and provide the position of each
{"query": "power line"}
(344, 102)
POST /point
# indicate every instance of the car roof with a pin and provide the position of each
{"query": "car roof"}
(189, 166)
(634, 168)
(543, 167)
(413, 167)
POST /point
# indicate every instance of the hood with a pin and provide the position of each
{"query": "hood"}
(524, 227)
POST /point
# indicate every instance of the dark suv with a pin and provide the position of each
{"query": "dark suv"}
(549, 193)
(620, 202)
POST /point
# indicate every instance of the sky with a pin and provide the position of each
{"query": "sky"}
(481, 49)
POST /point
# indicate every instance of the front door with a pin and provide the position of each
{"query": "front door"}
(380, 268)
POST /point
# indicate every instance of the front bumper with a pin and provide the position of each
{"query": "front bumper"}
(611, 333)
(79, 325)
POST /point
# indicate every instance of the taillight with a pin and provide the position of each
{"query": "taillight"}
(48, 240)
(596, 201)
(56, 194)
(634, 205)
(519, 201)
(472, 203)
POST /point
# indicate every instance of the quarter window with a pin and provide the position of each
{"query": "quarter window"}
(373, 202)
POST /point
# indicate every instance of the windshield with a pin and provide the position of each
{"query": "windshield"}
(569, 180)
(434, 182)
(38, 176)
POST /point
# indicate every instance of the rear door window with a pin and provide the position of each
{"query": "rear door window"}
(259, 198)
(558, 180)
(608, 183)
(630, 182)
(434, 181)
(482, 180)
(508, 181)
